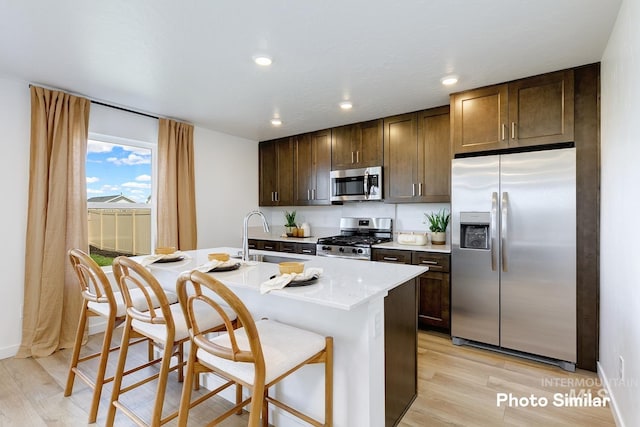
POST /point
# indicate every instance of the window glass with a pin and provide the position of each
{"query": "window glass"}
(119, 198)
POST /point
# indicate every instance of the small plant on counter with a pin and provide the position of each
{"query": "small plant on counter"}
(290, 218)
(438, 221)
(290, 223)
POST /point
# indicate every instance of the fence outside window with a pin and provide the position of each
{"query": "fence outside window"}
(123, 230)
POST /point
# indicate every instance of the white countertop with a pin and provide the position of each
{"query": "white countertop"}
(344, 284)
(446, 248)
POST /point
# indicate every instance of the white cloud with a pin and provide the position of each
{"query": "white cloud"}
(92, 179)
(94, 191)
(137, 192)
(143, 178)
(136, 185)
(110, 188)
(99, 147)
(131, 159)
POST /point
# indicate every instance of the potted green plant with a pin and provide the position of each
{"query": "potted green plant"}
(438, 222)
(290, 222)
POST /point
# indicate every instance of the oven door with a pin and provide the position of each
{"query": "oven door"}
(356, 184)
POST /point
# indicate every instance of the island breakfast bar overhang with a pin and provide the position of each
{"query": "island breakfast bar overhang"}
(369, 308)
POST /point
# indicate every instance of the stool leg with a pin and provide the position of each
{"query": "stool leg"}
(265, 408)
(102, 368)
(239, 397)
(117, 377)
(328, 383)
(185, 399)
(82, 323)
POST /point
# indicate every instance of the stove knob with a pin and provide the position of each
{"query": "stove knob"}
(341, 249)
(360, 251)
(355, 251)
(326, 248)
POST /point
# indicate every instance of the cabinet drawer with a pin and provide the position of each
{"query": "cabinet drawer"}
(306, 248)
(435, 261)
(288, 247)
(390, 255)
(267, 245)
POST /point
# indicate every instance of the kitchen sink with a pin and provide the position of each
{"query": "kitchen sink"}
(273, 259)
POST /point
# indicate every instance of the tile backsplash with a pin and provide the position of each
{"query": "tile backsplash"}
(406, 217)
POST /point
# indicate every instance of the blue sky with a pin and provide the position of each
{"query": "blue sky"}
(114, 169)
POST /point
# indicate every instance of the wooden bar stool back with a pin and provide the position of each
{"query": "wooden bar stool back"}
(257, 355)
(160, 320)
(99, 299)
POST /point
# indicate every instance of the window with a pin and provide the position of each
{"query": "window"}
(121, 214)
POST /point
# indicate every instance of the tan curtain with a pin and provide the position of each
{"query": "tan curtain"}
(176, 186)
(56, 220)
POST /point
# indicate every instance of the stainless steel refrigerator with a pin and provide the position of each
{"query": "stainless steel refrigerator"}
(513, 235)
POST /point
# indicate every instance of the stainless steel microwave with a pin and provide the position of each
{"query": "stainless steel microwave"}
(356, 184)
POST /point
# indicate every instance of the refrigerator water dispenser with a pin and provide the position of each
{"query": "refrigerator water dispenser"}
(474, 230)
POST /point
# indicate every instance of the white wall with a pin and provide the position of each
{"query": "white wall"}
(226, 186)
(15, 113)
(619, 251)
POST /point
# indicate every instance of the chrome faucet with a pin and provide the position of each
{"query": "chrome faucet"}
(245, 232)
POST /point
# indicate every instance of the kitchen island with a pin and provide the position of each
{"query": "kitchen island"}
(369, 309)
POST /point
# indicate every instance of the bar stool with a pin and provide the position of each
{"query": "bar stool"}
(258, 355)
(164, 325)
(99, 299)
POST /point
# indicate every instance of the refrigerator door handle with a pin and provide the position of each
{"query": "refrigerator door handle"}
(494, 228)
(503, 223)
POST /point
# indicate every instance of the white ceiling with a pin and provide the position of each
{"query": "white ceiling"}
(192, 59)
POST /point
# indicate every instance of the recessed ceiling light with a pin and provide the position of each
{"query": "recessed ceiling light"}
(276, 122)
(449, 80)
(262, 60)
(346, 105)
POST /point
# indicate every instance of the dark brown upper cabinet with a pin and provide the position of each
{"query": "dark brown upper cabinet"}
(312, 164)
(417, 157)
(276, 172)
(532, 111)
(356, 146)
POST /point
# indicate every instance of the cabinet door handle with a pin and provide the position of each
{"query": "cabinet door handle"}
(352, 157)
(306, 251)
(390, 258)
(413, 190)
(357, 156)
(277, 197)
(313, 194)
(424, 261)
(308, 194)
(273, 198)
(513, 130)
(503, 131)
(419, 189)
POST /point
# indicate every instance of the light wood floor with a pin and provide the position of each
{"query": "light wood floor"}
(457, 387)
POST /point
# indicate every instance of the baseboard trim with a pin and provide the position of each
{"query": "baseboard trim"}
(10, 351)
(617, 417)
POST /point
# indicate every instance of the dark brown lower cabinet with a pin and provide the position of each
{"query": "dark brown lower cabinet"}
(401, 349)
(434, 302)
(434, 286)
(279, 246)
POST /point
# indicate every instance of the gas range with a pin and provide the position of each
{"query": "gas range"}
(356, 237)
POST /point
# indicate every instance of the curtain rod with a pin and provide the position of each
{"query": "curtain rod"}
(104, 104)
(123, 109)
